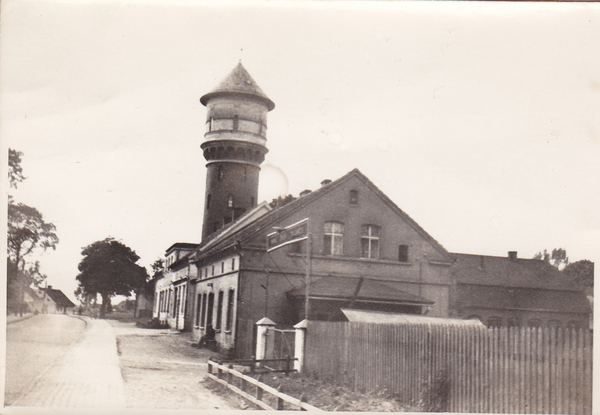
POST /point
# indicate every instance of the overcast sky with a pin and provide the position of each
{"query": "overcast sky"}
(480, 121)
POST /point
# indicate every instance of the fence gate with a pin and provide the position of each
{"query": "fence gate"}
(280, 345)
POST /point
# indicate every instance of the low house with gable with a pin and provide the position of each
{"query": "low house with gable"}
(515, 292)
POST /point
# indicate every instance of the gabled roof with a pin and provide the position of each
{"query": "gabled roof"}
(59, 297)
(503, 271)
(266, 221)
(238, 82)
(362, 290)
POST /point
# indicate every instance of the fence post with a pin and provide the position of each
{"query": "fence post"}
(229, 374)
(299, 343)
(262, 326)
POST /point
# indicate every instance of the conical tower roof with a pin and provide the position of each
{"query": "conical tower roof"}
(238, 82)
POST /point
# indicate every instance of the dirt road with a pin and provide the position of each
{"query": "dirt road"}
(161, 369)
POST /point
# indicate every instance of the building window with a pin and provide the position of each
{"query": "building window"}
(209, 310)
(334, 238)
(232, 264)
(213, 271)
(230, 201)
(230, 300)
(198, 309)
(210, 124)
(403, 253)
(222, 267)
(354, 197)
(203, 316)
(369, 241)
(208, 202)
(220, 173)
(494, 321)
(236, 122)
(219, 311)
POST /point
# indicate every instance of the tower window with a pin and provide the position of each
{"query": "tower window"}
(220, 173)
(333, 238)
(369, 241)
(210, 124)
(232, 264)
(403, 253)
(245, 174)
(236, 122)
(354, 197)
(230, 201)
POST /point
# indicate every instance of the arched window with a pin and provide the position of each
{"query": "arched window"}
(333, 238)
(369, 241)
(230, 300)
(230, 201)
(403, 253)
(219, 311)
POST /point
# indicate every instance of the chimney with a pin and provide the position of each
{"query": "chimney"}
(325, 182)
(304, 192)
(512, 255)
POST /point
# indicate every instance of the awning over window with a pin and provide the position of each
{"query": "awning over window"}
(381, 317)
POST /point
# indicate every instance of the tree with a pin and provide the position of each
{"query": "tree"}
(109, 268)
(581, 272)
(15, 171)
(27, 230)
(558, 258)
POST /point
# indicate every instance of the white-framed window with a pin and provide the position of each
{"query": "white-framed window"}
(333, 238)
(369, 241)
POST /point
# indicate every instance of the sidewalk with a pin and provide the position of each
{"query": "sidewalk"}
(88, 376)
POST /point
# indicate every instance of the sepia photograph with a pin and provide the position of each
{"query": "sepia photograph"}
(357, 206)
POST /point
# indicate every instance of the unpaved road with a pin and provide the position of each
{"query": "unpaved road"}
(162, 370)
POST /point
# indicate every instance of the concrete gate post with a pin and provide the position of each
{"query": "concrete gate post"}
(299, 343)
(262, 327)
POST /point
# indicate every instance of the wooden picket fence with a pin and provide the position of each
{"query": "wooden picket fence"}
(458, 369)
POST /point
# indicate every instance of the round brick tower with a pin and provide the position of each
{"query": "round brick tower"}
(234, 147)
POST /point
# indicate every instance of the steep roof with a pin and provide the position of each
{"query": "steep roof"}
(340, 288)
(59, 297)
(266, 221)
(503, 271)
(237, 82)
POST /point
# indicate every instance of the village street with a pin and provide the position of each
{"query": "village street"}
(78, 362)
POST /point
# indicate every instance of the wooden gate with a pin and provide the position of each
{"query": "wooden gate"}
(280, 345)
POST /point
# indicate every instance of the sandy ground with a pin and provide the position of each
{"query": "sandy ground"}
(161, 369)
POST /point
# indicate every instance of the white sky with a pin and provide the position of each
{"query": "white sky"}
(481, 121)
